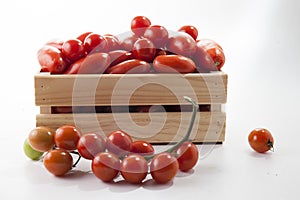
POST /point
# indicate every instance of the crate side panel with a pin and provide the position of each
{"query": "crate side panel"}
(155, 128)
(133, 89)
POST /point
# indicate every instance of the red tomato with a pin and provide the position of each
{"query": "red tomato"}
(95, 63)
(203, 61)
(158, 35)
(133, 66)
(94, 43)
(90, 144)
(58, 162)
(209, 56)
(191, 30)
(182, 44)
(128, 42)
(119, 56)
(139, 25)
(106, 166)
(261, 140)
(134, 168)
(66, 137)
(163, 167)
(187, 156)
(51, 60)
(173, 64)
(113, 42)
(142, 148)
(73, 49)
(83, 36)
(41, 139)
(119, 143)
(144, 49)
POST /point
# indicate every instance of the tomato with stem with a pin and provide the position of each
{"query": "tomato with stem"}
(261, 140)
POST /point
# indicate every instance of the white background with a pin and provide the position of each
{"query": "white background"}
(261, 43)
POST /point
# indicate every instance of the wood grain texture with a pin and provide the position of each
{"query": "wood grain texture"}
(155, 128)
(129, 89)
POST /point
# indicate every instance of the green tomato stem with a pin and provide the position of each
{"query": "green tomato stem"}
(189, 131)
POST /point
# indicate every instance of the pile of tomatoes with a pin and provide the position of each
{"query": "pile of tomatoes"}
(147, 49)
(111, 155)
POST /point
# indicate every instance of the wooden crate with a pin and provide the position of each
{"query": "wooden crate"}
(131, 91)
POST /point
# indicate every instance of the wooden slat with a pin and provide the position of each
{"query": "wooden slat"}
(45, 109)
(130, 89)
(161, 128)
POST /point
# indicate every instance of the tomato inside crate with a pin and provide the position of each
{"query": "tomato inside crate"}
(147, 106)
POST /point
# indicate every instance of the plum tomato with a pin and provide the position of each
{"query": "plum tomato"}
(113, 42)
(58, 162)
(203, 61)
(128, 42)
(191, 30)
(90, 144)
(95, 63)
(82, 36)
(261, 140)
(133, 66)
(94, 43)
(73, 49)
(209, 56)
(106, 166)
(142, 148)
(41, 139)
(144, 49)
(182, 44)
(139, 25)
(163, 167)
(134, 168)
(173, 64)
(119, 56)
(119, 143)
(51, 60)
(187, 156)
(158, 35)
(66, 137)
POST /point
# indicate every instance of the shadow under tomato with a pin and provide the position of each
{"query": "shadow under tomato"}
(185, 174)
(150, 184)
(266, 155)
(122, 186)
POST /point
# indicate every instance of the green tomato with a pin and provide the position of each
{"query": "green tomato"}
(30, 152)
